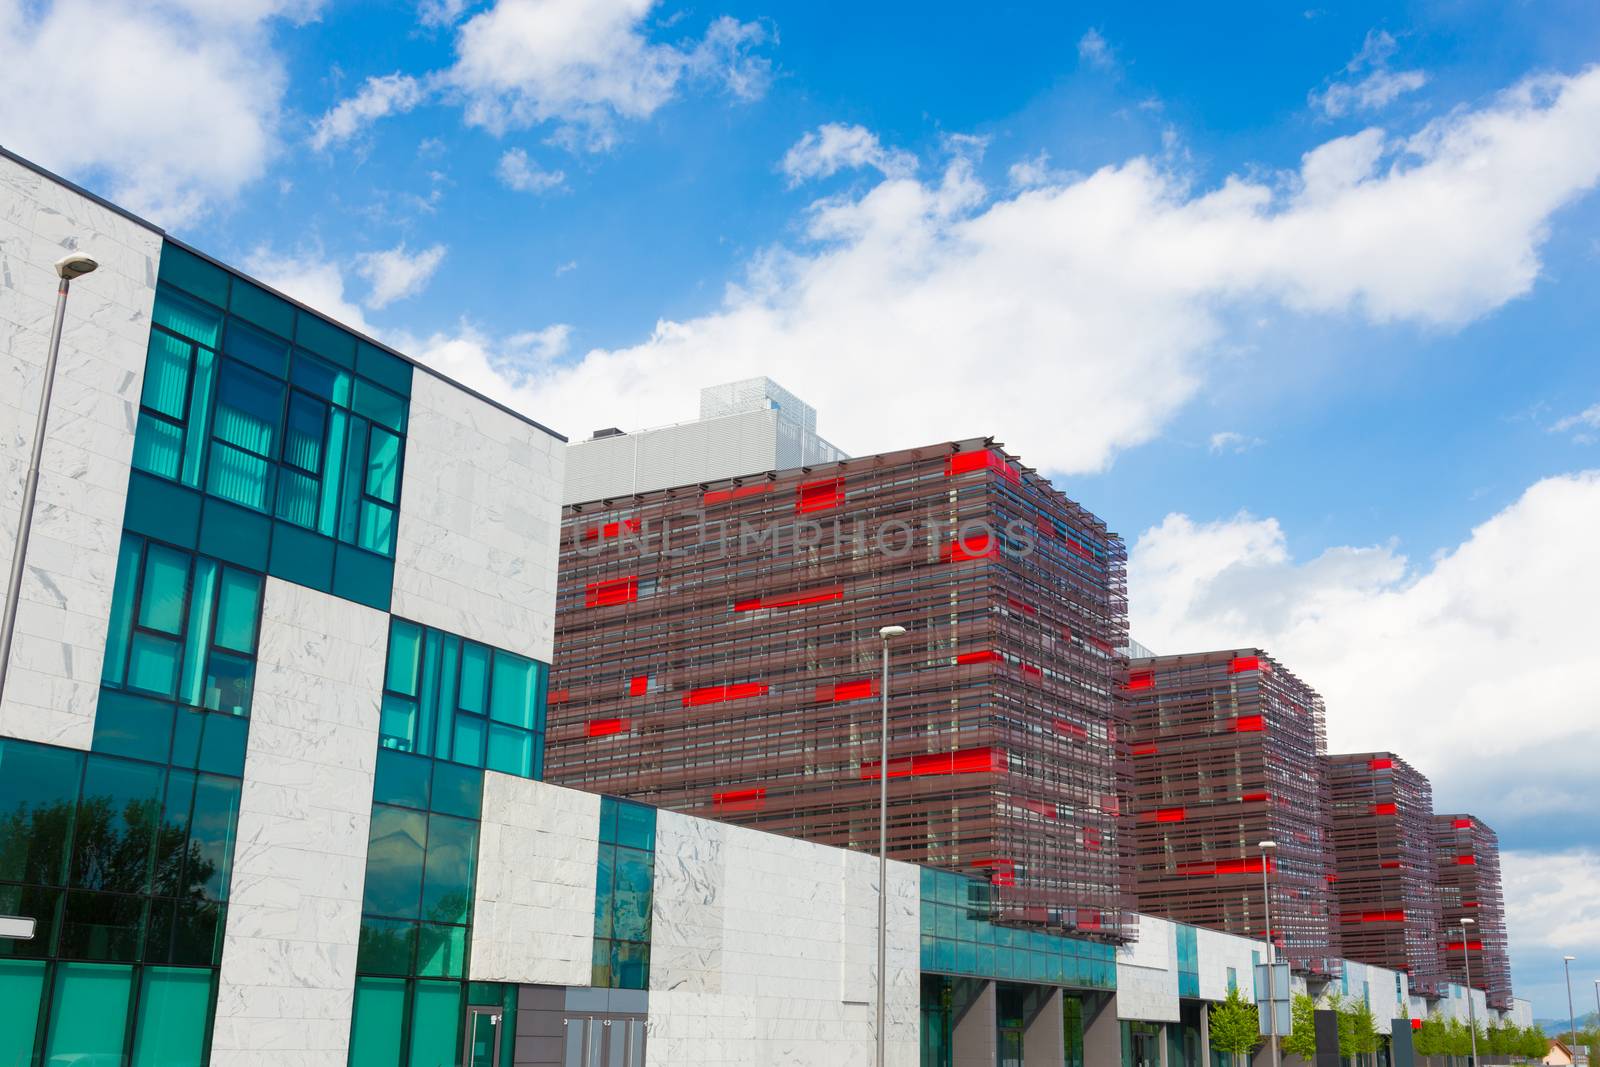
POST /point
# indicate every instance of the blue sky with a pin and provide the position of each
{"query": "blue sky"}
(1300, 300)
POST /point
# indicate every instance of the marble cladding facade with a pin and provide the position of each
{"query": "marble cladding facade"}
(479, 521)
(1218, 952)
(1147, 973)
(763, 951)
(72, 556)
(533, 908)
(1378, 987)
(294, 918)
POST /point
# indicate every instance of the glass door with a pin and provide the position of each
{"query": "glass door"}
(483, 1037)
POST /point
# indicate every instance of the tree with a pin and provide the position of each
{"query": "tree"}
(1429, 1039)
(1235, 1025)
(1358, 1029)
(1302, 1039)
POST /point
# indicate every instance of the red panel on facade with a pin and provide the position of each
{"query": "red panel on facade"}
(718, 496)
(1144, 750)
(1001, 871)
(790, 600)
(1071, 729)
(1461, 824)
(610, 530)
(819, 496)
(1385, 809)
(1251, 798)
(1466, 861)
(1381, 764)
(557, 696)
(1240, 664)
(1249, 724)
(1397, 916)
(962, 761)
(612, 591)
(740, 799)
(607, 727)
(842, 691)
(1164, 815)
(1390, 865)
(717, 694)
(989, 656)
(1465, 946)
(1141, 680)
(980, 546)
(639, 686)
(981, 459)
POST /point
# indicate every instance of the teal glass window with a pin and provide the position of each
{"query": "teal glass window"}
(378, 1026)
(172, 1023)
(269, 407)
(21, 989)
(624, 880)
(38, 796)
(89, 1013)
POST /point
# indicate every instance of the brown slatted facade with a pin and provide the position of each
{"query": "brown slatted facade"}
(731, 669)
(1386, 889)
(1228, 751)
(1468, 855)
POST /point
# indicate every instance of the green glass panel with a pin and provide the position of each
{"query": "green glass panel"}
(238, 476)
(158, 446)
(510, 750)
(630, 965)
(255, 304)
(257, 348)
(608, 820)
(166, 375)
(38, 795)
(631, 899)
(402, 779)
(166, 582)
(363, 577)
(41, 905)
(238, 607)
(304, 432)
(102, 926)
(405, 650)
(202, 602)
(209, 857)
(229, 680)
(236, 535)
(184, 315)
(389, 371)
(379, 405)
(314, 376)
(600, 972)
(457, 790)
(452, 852)
(383, 465)
(127, 725)
(325, 338)
(397, 723)
(172, 1017)
(222, 745)
(185, 933)
(377, 528)
(474, 678)
(301, 557)
(189, 271)
(636, 825)
(514, 688)
(441, 951)
(298, 495)
(89, 1013)
(435, 1021)
(605, 891)
(355, 458)
(387, 946)
(116, 825)
(172, 839)
(379, 1022)
(332, 474)
(121, 625)
(198, 430)
(153, 664)
(186, 738)
(21, 984)
(394, 862)
(467, 746)
(249, 407)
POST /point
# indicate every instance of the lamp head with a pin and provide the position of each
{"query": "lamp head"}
(1264, 845)
(891, 631)
(75, 266)
(1569, 959)
(1467, 922)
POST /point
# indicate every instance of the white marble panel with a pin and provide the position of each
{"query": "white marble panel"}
(533, 912)
(480, 521)
(66, 593)
(294, 919)
(1218, 952)
(1147, 973)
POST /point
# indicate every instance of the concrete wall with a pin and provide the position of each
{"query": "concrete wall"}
(66, 594)
(973, 1043)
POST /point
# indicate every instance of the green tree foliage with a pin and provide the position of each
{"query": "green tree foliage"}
(1235, 1025)
(1358, 1029)
(1430, 1038)
(1302, 1039)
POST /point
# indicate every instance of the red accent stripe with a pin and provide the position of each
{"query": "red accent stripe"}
(717, 694)
(791, 600)
(1466, 861)
(1462, 824)
(1001, 871)
(639, 686)
(1390, 865)
(1249, 724)
(842, 691)
(978, 460)
(1251, 865)
(1380, 764)
(718, 496)
(962, 761)
(1251, 798)
(1141, 680)
(610, 530)
(607, 727)
(988, 656)
(1144, 750)
(819, 496)
(557, 696)
(1385, 809)
(1468, 946)
(741, 799)
(1240, 664)
(612, 591)
(981, 546)
(1376, 917)
(1071, 729)
(1164, 815)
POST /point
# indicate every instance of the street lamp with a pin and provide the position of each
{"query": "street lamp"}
(1572, 1016)
(884, 635)
(1266, 848)
(67, 268)
(1472, 1016)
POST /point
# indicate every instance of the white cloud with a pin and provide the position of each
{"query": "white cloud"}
(397, 273)
(1583, 423)
(311, 279)
(833, 147)
(388, 94)
(1233, 441)
(1036, 171)
(517, 171)
(959, 308)
(568, 266)
(1553, 901)
(1478, 667)
(583, 64)
(1378, 88)
(438, 13)
(1094, 51)
(171, 106)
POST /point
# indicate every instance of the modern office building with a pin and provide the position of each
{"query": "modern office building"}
(1467, 852)
(718, 653)
(1387, 879)
(1228, 752)
(745, 427)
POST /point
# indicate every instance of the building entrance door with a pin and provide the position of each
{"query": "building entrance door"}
(483, 1037)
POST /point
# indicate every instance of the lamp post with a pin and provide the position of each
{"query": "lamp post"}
(1572, 1016)
(1472, 1012)
(67, 268)
(1266, 848)
(884, 635)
